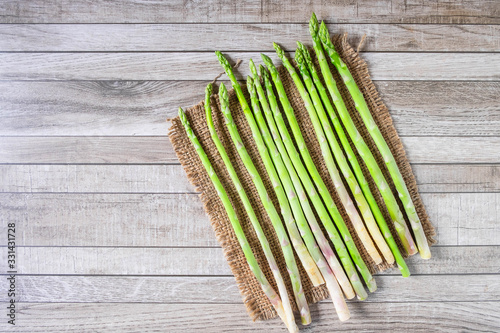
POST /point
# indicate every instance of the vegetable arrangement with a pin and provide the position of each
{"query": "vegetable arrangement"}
(306, 205)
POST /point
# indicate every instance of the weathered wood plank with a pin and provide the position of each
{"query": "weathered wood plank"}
(251, 37)
(457, 178)
(133, 11)
(108, 220)
(102, 108)
(210, 261)
(179, 220)
(408, 317)
(158, 150)
(91, 150)
(204, 66)
(442, 108)
(95, 178)
(221, 290)
(172, 178)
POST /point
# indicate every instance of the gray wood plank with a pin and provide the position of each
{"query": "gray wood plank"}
(87, 149)
(172, 178)
(112, 317)
(158, 150)
(251, 37)
(95, 178)
(179, 220)
(193, 261)
(457, 178)
(134, 11)
(204, 66)
(108, 220)
(223, 290)
(442, 108)
(423, 108)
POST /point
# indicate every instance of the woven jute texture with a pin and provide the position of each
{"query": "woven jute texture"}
(256, 302)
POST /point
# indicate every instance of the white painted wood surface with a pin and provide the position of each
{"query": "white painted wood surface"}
(113, 238)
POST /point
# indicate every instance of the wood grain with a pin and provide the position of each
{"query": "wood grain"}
(251, 37)
(223, 290)
(204, 66)
(31, 108)
(95, 178)
(67, 219)
(209, 261)
(87, 149)
(158, 150)
(216, 11)
(410, 317)
(172, 178)
(108, 220)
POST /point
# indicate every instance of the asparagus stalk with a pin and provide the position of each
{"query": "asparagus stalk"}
(268, 205)
(249, 209)
(240, 235)
(325, 136)
(384, 228)
(362, 107)
(330, 163)
(363, 206)
(361, 146)
(323, 190)
(275, 119)
(289, 164)
(288, 203)
(288, 200)
(298, 191)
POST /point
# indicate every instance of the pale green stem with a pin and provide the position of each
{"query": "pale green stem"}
(233, 218)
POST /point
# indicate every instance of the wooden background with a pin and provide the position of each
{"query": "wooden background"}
(112, 238)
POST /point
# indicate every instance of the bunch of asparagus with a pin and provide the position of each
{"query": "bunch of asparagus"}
(297, 183)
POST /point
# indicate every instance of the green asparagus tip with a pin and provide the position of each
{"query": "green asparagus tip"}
(223, 61)
(305, 53)
(313, 25)
(183, 118)
(209, 89)
(250, 86)
(253, 69)
(279, 50)
(267, 61)
(263, 72)
(323, 33)
(223, 90)
(224, 101)
(299, 58)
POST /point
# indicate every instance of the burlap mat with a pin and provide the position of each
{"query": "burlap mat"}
(256, 302)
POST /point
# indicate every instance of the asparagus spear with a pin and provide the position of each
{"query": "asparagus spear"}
(365, 210)
(240, 235)
(286, 201)
(271, 211)
(325, 136)
(289, 164)
(276, 118)
(287, 198)
(323, 190)
(251, 213)
(294, 187)
(352, 158)
(366, 154)
(330, 163)
(361, 146)
(362, 107)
